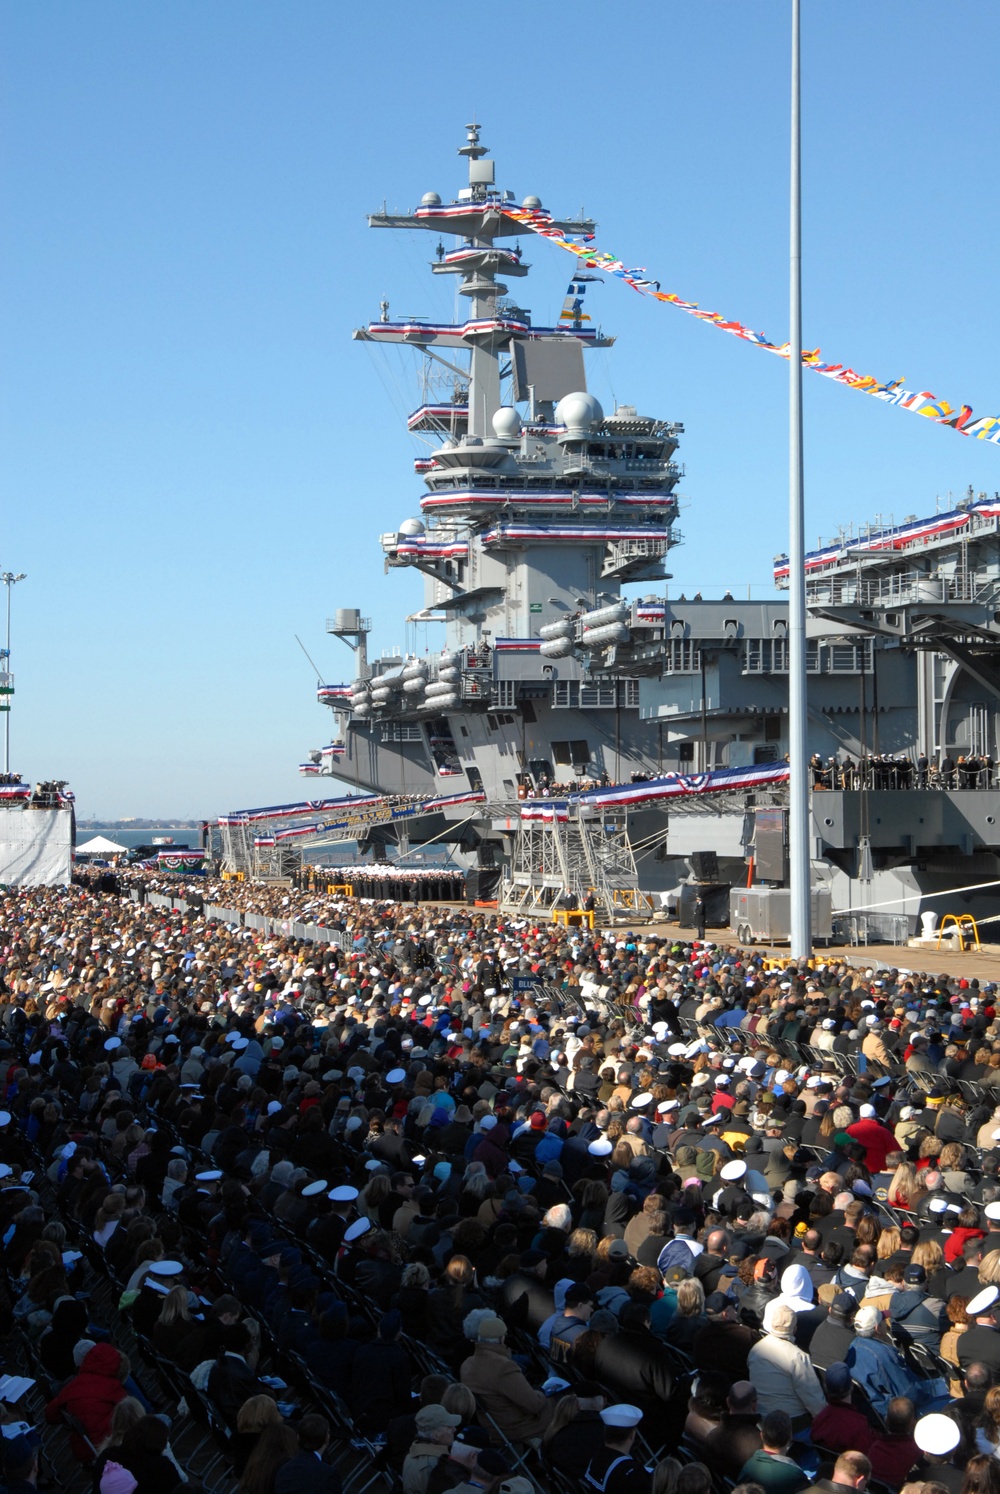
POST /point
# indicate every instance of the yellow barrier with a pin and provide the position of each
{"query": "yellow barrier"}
(963, 922)
(573, 917)
(345, 889)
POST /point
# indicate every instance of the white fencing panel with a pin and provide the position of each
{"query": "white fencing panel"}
(36, 847)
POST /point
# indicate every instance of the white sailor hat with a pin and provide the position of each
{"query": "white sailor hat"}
(5, 1171)
(622, 1415)
(211, 1175)
(733, 1171)
(640, 1101)
(312, 1189)
(342, 1195)
(937, 1435)
(111, 1043)
(665, 1106)
(356, 1230)
(396, 1076)
(601, 1147)
(239, 1043)
(721, 1079)
(982, 1301)
(373, 1165)
(992, 1211)
(677, 1050)
(166, 1268)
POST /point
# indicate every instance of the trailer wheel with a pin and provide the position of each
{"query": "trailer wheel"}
(743, 934)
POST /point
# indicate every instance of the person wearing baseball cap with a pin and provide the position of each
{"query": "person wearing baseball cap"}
(435, 1435)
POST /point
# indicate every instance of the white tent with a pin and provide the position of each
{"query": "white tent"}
(100, 846)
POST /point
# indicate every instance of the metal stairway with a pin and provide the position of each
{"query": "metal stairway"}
(582, 853)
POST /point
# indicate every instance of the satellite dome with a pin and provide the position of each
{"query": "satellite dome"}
(507, 423)
(579, 413)
(411, 528)
(532, 203)
(430, 199)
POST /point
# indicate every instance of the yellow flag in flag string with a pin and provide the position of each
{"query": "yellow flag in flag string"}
(987, 428)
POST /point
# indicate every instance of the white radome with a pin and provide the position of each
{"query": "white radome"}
(507, 423)
(579, 413)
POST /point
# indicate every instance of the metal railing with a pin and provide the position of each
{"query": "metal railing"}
(904, 589)
(289, 928)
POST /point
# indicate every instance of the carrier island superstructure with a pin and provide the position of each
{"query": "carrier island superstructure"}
(537, 507)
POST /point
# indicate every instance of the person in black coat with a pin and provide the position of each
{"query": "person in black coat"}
(380, 1378)
(635, 1366)
(307, 1473)
(525, 1301)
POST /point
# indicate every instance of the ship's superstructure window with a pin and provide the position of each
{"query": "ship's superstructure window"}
(400, 731)
(598, 693)
(571, 754)
(682, 656)
(588, 695)
(770, 656)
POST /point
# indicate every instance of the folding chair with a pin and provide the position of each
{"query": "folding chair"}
(518, 1458)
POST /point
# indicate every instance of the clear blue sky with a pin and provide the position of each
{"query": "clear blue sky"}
(195, 460)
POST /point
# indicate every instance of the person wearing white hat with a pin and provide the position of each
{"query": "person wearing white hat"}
(937, 1437)
(982, 1311)
(783, 1373)
(878, 1367)
(613, 1469)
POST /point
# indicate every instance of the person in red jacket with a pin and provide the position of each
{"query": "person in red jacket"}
(877, 1140)
(91, 1397)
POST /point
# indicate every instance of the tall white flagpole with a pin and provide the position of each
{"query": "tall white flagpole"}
(798, 788)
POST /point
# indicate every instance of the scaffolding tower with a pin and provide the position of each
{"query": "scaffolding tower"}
(585, 852)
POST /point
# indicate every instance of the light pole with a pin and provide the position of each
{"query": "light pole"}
(9, 580)
(798, 786)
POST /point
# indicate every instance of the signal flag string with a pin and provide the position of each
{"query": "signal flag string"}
(987, 428)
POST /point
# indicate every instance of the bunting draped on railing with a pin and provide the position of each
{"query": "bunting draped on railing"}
(987, 428)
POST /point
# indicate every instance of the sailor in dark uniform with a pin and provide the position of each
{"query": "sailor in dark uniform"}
(613, 1470)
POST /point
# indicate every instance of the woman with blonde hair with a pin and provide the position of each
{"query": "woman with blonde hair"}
(174, 1324)
(690, 1317)
(124, 1417)
(580, 1248)
(928, 1253)
(567, 1409)
(989, 1268)
(888, 1242)
(903, 1187)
